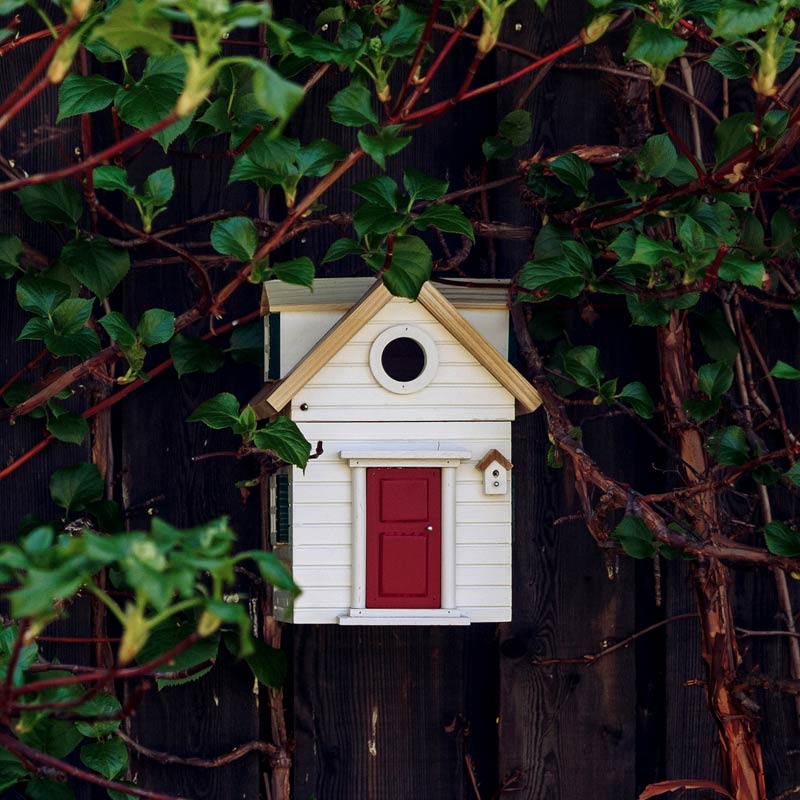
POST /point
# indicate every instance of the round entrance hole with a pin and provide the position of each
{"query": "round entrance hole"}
(403, 359)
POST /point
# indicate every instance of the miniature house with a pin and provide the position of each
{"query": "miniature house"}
(405, 516)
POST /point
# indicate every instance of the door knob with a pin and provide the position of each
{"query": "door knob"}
(429, 528)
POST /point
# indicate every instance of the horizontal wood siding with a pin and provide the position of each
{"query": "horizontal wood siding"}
(345, 388)
(321, 555)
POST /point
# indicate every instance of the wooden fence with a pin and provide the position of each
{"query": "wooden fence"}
(416, 713)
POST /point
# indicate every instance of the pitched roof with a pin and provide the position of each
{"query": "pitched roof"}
(274, 396)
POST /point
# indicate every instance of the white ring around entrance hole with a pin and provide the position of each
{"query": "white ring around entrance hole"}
(428, 347)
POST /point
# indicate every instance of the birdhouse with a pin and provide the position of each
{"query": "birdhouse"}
(404, 518)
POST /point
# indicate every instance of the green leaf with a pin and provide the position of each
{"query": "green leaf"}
(68, 427)
(133, 24)
(84, 94)
(654, 46)
(516, 127)
(369, 218)
(71, 315)
(317, 159)
(168, 635)
(221, 411)
(57, 201)
(742, 269)
(100, 705)
(342, 248)
(11, 251)
(298, 271)
(235, 237)
(447, 218)
(635, 537)
(635, 395)
(84, 343)
(782, 540)
(729, 61)
(403, 37)
(410, 268)
(385, 143)
(112, 179)
(422, 187)
(573, 172)
(269, 664)
(380, 190)
(154, 96)
(718, 339)
(117, 327)
(785, 371)
(285, 439)
(352, 106)
(159, 187)
(729, 446)
(273, 570)
(274, 94)
(793, 473)
(657, 156)
(156, 326)
(97, 264)
(43, 789)
(496, 148)
(247, 344)
(583, 365)
(108, 757)
(737, 19)
(732, 135)
(194, 355)
(715, 379)
(40, 295)
(11, 770)
(74, 487)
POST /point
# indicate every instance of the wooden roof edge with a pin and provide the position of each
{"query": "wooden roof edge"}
(272, 398)
(493, 455)
(502, 370)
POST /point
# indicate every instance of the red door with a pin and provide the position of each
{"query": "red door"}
(404, 537)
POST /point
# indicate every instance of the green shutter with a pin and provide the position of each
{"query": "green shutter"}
(283, 508)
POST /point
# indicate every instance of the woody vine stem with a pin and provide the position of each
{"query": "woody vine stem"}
(694, 242)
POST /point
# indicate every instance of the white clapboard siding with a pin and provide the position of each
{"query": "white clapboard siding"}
(303, 322)
(322, 529)
(345, 389)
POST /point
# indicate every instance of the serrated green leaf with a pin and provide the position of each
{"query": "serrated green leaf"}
(737, 19)
(583, 365)
(654, 46)
(342, 248)
(221, 411)
(109, 757)
(352, 106)
(40, 295)
(156, 326)
(194, 355)
(379, 190)
(785, 371)
(516, 127)
(117, 327)
(268, 664)
(447, 218)
(386, 142)
(97, 264)
(11, 251)
(422, 187)
(635, 395)
(657, 156)
(100, 705)
(715, 379)
(729, 61)
(74, 487)
(159, 187)
(740, 268)
(111, 179)
(273, 570)
(729, 446)
(284, 438)
(57, 202)
(782, 540)
(274, 94)
(68, 427)
(236, 236)
(572, 171)
(635, 537)
(411, 266)
(84, 94)
(298, 271)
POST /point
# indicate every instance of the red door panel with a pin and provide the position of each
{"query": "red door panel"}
(404, 537)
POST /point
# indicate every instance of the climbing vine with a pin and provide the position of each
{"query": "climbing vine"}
(692, 239)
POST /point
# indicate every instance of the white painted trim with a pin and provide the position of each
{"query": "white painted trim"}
(359, 506)
(412, 617)
(428, 348)
(447, 460)
(448, 537)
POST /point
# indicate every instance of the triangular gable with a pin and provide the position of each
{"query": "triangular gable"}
(274, 397)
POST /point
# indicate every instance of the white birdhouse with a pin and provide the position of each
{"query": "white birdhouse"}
(393, 524)
(496, 470)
